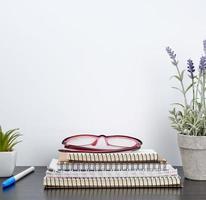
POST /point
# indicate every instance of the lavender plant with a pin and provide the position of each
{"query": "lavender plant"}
(189, 117)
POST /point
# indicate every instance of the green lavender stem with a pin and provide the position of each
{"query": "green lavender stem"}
(182, 85)
(203, 100)
(203, 90)
(197, 88)
(193, 94)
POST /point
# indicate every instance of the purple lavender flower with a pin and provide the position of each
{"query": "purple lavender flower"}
(204, 46)
(172, 55)
(202, 65)
(190, 68)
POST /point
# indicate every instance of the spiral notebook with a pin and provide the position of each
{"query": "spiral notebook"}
(145, 155)
(168, 170)
(114, 166)
(112, 182)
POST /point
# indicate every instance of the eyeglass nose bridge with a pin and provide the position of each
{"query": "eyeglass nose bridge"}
(97, 139)
(102, 136)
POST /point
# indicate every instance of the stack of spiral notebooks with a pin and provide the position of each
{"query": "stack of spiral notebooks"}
(137, 169)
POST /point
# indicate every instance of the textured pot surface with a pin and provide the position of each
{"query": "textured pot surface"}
(193, 154)
(7, 163)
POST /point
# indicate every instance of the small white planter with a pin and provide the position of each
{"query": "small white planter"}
(7, 163)
(193, 154)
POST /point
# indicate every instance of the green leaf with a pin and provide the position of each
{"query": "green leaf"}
(8, 139)
(174, 63)
(178, 89)
(188, 88)
(182, 75)
(172, 118)
(177, 77)
(178, 104)
(172, 112)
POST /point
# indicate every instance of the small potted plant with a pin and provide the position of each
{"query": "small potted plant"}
(189, 117)
(8, 140)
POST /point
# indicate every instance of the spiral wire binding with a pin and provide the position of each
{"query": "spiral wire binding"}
(111, 182)
(96, 166)
(110, 157)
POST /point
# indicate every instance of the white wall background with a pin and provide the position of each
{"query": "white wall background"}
(98, 67)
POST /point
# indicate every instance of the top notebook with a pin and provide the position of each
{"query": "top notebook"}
(142, 155)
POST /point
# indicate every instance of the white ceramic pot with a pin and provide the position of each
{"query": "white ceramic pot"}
(7, 163)
(193, 154)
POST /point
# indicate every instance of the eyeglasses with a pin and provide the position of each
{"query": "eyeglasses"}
(100, 143)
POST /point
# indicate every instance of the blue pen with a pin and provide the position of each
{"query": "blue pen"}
(12, 180)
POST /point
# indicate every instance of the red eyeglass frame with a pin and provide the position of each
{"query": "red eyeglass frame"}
(76, 148)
